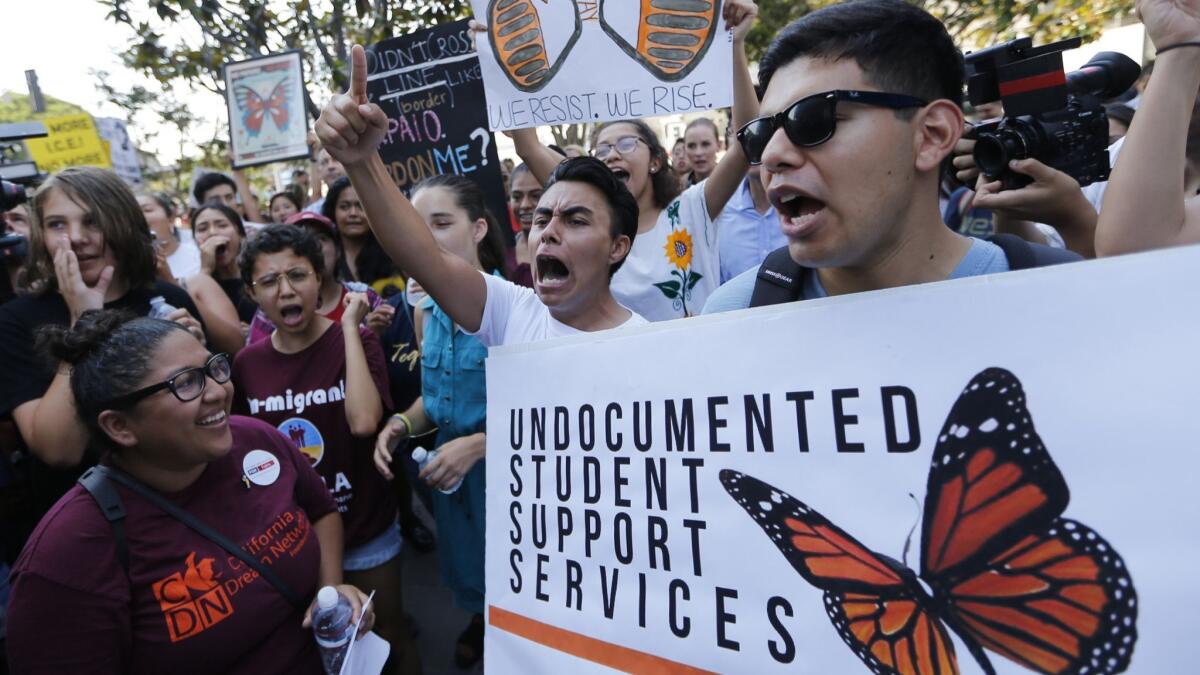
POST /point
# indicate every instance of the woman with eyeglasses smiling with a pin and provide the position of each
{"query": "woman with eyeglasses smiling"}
(324, 384)
(150, 592)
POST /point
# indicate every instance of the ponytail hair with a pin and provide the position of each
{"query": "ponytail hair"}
(469, 197)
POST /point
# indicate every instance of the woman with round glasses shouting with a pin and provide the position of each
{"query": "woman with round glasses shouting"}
(153, 595)
(323, 384)
(674, 263)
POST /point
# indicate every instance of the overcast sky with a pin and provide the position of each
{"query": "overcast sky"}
(62, 40)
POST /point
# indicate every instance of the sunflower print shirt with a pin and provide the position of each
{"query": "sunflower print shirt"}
(673, 268)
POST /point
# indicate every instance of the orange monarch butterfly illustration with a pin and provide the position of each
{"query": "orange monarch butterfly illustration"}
(1000, 566)
(517, 37)
(255, 108)
(672, 37)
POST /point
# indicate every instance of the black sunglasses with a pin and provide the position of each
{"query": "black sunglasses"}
(813, 119)
(187, 385)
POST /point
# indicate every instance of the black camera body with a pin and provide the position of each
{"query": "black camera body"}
(1051, 116)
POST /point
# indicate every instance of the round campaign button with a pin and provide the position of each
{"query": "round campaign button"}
(260, 467)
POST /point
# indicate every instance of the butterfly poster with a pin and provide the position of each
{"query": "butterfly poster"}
(268, 121)
(580, 61)
(427, 83)
(986, 475)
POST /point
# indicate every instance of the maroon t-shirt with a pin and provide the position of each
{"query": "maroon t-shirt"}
(188, 606)
(302, 395)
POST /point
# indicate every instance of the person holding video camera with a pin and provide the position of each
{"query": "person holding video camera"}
(14, 248)
(1029, 165)
(862, 103)
(1147, 204)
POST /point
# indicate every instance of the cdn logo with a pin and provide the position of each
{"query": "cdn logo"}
(192, 601)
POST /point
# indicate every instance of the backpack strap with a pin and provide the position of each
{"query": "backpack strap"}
(106, 475)
(1023, 255)
(111, 505)
(779, 279)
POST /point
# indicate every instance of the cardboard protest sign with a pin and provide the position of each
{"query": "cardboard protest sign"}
(265, 98)
(993, 470)
(72, 140)
(574, 61)
(121, 149)
(428, 83)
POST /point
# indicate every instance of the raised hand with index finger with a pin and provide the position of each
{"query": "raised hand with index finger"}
(350, 127)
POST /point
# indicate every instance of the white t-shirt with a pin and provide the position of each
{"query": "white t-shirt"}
(674, 267)
(1095, 192)
(185, 261)
(514, 314)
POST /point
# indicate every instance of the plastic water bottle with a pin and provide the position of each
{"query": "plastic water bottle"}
(160, 308)
(333, 626)
(423, 457)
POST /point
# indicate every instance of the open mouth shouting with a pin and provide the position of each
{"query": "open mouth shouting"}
(292, 316)
(552, 273)
(621, 174)
(799, 212)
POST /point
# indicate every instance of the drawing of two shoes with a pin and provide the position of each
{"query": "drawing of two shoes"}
(672, 36)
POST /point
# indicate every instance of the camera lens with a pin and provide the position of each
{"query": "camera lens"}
(994, 151)
(11, 195)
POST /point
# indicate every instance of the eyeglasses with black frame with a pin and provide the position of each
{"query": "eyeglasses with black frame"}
(186, 385)
(270, 282)
(812, 120)
(624, 145)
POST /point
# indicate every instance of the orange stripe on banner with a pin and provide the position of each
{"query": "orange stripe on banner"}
(584, 647)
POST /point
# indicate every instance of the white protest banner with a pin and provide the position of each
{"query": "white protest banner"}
(574, 61)
(123, 152)
(267, 120)
(992, 470)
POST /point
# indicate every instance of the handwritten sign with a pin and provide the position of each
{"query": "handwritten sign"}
(72, 141)
(429, 84)
(265, 98)
(578, 61)
(848, 495)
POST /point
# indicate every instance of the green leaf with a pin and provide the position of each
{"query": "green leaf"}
(669, 288)
(693, 277)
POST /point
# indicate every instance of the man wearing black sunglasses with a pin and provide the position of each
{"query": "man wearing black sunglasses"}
(862, 102)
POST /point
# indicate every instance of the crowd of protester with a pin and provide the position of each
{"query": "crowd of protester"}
(346, 324)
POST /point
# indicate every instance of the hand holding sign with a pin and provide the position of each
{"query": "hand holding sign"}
(350, 127)
(739, 16)
(1170, 21)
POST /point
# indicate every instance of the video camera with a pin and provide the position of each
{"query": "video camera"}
(1049, 115)
(14, 246)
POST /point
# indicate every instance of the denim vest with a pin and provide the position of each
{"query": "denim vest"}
(452, 377)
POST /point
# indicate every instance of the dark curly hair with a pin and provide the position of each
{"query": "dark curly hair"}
(276, 238)
(107, 351)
